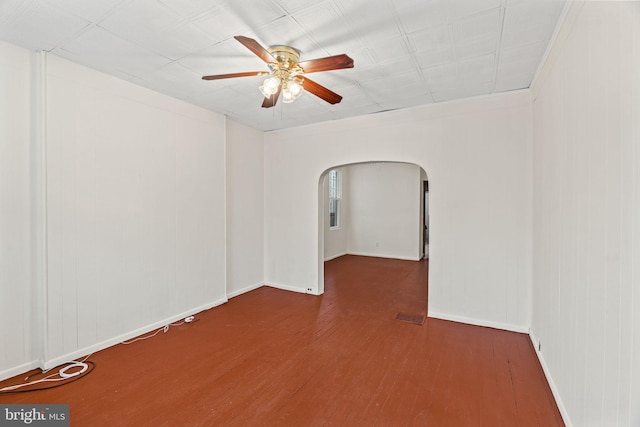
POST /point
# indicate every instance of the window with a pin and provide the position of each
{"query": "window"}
(334, 198)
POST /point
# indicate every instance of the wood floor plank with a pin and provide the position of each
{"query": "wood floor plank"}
(276, 358)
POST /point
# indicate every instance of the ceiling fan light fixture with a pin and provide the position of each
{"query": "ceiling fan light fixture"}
(285, 73)
(270, 86)
(291, 90)
(295, 87)
(287, 96)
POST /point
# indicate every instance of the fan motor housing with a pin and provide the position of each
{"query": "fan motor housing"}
(285, 55)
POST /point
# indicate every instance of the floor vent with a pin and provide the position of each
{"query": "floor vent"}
(416, 319)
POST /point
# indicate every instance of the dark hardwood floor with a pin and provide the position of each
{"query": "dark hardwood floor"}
(276, 358)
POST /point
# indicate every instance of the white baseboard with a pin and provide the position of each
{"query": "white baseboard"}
(392, 256)
(56, 361)
(287, 287)
(245, 290)
(552, 384)
(17, 370)
(329, 258)
(479, 322)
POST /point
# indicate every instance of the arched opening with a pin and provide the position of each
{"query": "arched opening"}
(373, 209)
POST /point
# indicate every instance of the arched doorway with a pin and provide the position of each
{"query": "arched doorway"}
(372, 209)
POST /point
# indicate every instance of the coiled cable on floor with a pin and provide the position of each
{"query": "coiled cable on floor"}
(64, 374)
(67, 373)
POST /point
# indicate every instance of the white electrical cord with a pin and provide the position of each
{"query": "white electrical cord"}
(44, 380)
(164, 329)
(62, 373)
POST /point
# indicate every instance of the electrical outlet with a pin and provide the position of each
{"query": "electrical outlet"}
(309, 290)
(377, 244)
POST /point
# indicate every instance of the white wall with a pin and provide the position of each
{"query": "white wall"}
(335, 239)
(135, 210)
(586, 264)
(477, 154)
(16, 294)
(136, 207)
(245, 209)
(384, 210)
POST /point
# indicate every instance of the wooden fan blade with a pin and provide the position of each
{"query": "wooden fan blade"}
(257, 48)
(271, 101)
(232, 75)
(321, 91)
(336, 62)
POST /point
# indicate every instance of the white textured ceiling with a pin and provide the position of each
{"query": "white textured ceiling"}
(406, 52)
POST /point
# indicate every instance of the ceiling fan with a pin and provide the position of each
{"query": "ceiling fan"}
(286, 73)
